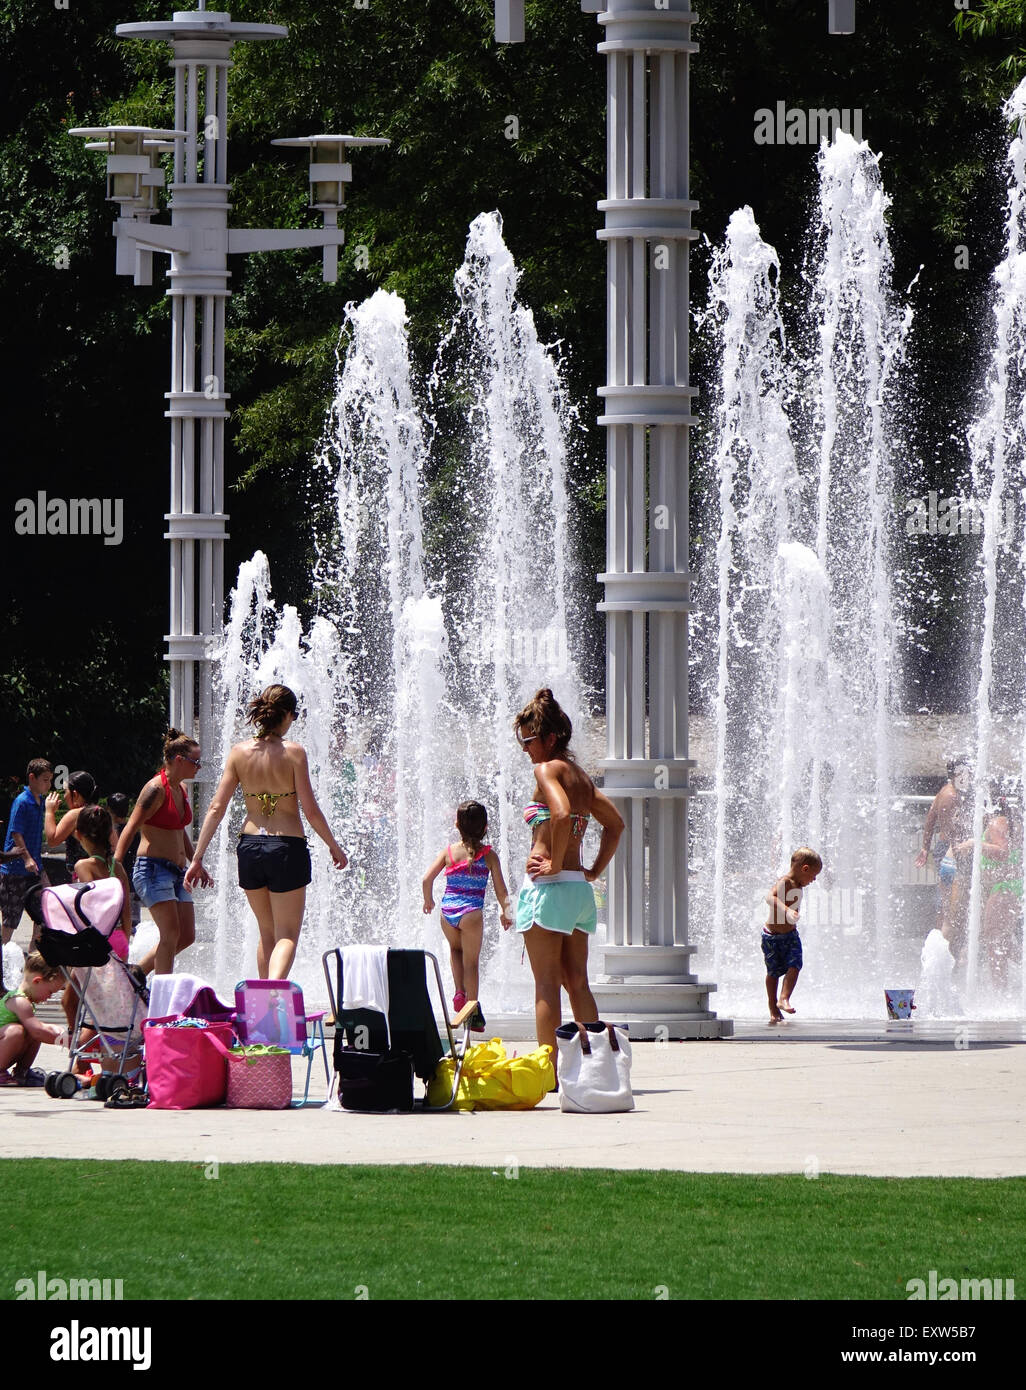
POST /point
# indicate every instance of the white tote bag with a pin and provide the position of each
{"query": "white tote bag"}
(594, 1068)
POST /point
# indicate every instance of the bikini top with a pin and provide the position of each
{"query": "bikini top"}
(535, 812)
(268, 800)
(108, 864)
(167, 817)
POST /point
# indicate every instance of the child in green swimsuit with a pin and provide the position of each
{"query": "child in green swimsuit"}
(21, 1033)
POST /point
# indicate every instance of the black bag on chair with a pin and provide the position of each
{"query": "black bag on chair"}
(374, 1081)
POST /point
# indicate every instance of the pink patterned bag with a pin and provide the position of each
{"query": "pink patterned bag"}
(259, 1078)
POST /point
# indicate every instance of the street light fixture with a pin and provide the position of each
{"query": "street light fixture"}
(134, 174)
(199, 242)
(329, 174)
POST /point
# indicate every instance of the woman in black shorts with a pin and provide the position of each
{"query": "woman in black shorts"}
(274, 861)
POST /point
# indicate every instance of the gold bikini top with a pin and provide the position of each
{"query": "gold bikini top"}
(268, 800)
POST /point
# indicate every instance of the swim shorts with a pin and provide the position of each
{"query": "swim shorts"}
(14, 898)
(280, 863)
(159, 881)
(562, 903)
(783, 952)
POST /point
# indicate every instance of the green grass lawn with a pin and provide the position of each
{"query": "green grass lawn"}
(262, 1230)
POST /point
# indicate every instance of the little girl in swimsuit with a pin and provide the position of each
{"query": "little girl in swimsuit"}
(468, 864)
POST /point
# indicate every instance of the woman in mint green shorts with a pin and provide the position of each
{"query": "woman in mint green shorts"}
(556, 905)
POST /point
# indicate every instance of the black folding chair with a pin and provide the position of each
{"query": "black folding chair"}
(369, 1053)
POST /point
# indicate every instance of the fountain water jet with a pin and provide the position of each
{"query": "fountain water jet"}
(997, 445)
(409, 679)
(806, 622)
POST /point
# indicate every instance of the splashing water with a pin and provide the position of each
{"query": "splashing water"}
(997, 445)
(510, 565)
(806, 622)
(409, 680)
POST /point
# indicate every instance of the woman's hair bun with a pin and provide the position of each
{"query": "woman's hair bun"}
(543, 715)
(177, 744)
(270, 707)
(84, 783)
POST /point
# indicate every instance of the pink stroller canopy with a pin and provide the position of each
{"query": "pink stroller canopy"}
(78, 920)
(73, 907)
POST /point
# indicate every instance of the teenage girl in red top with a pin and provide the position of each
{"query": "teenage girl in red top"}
(160, 817)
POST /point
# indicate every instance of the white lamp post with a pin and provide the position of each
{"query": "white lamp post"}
(199, 242)
(647, 418)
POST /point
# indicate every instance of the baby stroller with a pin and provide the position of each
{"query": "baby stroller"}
(112, 995)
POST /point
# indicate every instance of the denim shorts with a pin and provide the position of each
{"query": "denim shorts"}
(280, 863)
(159, 881)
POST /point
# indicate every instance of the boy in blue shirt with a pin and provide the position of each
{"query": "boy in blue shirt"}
(22, 869)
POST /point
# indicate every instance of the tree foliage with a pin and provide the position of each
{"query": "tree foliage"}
(86, 353)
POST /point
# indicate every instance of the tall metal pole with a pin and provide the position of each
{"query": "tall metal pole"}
(648, 401)
(647, 417)
(199, 285)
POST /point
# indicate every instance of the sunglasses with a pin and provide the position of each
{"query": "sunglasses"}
(525, 741)
(195, 761)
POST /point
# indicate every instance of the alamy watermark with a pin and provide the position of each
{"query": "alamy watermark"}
(543, 648)
(76, 516)
(43, 1288)
(947, 1290)
(793, 125)
(934, 515)
(82, 1343)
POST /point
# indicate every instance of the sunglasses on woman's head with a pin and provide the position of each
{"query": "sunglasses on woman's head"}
(525, 741)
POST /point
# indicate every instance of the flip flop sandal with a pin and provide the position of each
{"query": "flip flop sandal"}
(133, 1099)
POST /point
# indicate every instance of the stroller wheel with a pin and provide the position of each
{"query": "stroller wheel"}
(50, 1084)
(104, 1086)
(65, 1086)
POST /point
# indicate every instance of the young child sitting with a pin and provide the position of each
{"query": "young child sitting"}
(21, 1033)
(781, 944)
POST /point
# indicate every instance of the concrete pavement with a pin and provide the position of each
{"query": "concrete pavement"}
(923, 1101)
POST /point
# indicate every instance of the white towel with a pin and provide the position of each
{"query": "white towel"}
(365, 980)
(172, 994)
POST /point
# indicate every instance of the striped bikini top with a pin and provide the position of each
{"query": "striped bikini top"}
(535, 812)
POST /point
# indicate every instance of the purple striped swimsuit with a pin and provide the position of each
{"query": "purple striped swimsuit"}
(465, 885)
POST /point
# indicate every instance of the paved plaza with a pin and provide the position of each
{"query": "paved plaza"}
(824, 1098)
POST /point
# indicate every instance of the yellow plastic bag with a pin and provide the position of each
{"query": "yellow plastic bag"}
(492, 1081)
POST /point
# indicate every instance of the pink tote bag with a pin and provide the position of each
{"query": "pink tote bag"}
(185, 1067)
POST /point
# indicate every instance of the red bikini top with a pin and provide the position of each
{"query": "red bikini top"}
(167, 817)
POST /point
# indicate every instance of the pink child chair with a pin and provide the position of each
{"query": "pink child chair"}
(272, 1013)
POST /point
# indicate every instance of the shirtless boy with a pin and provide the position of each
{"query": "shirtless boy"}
(781, 944)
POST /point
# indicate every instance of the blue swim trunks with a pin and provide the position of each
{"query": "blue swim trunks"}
(783, 952)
